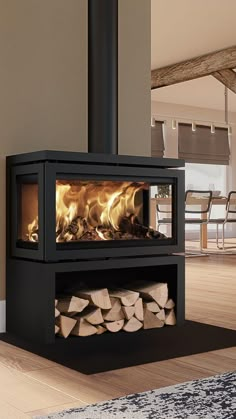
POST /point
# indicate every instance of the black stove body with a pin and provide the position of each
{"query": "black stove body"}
(77, 206)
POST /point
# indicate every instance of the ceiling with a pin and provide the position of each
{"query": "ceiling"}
(185, 29)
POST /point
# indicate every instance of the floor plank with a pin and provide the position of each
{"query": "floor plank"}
(27, 394)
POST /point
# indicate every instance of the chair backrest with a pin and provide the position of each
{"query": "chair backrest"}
(231, 203)
(197, 202)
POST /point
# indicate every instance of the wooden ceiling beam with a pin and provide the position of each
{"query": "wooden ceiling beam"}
(204, 65)
(227, 77)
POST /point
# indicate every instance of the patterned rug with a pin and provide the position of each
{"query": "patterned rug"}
(210, 398)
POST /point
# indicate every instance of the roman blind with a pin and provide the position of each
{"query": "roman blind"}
(157, 140)
(201, 146)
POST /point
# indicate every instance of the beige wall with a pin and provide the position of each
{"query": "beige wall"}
(134, 77)
(43, 81)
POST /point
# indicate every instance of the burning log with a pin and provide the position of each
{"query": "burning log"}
(132, 226)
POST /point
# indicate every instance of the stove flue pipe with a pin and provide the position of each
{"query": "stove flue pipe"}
(103, 76)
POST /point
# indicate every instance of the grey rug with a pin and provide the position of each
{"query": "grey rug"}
(210, 398)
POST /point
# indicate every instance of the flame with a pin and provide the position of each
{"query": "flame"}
(92, 210)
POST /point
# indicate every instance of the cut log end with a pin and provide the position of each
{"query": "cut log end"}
(65, 324)
(83, 328)
(114, 326)
(151, 321)
(132, 325)
(170, 318)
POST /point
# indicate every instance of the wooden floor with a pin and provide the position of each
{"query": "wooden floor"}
(30, 385)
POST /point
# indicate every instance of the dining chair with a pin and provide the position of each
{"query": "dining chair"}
(198, 208)
(230, 217)
(164, 213)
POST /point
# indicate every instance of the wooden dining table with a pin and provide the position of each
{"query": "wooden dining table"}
(219, 200)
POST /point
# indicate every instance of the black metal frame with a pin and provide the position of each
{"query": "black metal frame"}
(76, 167)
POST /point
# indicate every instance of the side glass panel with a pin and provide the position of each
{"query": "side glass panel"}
(88, 210)
(27, 220)
(162, 209)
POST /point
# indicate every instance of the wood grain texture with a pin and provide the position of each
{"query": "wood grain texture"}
(36, 386)
(194, 68)
(227, 77)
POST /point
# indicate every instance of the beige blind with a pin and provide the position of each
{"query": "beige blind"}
(157, 144)
(201, 146)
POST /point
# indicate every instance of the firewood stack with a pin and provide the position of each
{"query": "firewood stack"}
(142, 304)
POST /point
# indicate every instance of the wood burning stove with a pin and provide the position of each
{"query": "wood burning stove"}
(84, 220)
(73, 206)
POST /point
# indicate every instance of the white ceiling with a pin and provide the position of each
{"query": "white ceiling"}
(183, 29)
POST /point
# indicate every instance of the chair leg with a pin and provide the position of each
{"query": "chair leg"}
(201, 248)
(217, 236)
(223, 236)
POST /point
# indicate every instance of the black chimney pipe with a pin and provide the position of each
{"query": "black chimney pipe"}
(103, 76)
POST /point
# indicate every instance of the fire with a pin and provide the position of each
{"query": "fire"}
(101, 210)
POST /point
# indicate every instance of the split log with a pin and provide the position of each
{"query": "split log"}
(170, 304)
(71, 304)
(57, 328)
(151, 321)
(152, 306)
(115, 313)
(127, 297)
(83, 328)
(161, 315)
(66, 324)
(57, 312)
(132, 325)
(138, 307)
(170, 318)
(99, 297)
(114, 326)
(151, 290)
(128, 312)
(93, 315)
(101, 330)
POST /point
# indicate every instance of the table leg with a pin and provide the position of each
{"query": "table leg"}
(153, 214)
(203, 237)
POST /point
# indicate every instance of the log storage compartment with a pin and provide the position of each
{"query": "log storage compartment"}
(41, 293)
